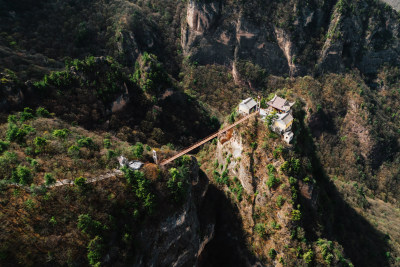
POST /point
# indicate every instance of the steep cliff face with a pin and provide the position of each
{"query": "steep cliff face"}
(247, 165)
(223, 33)
(217, 32)
(180, 238)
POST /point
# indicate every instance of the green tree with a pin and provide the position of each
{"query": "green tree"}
(80, 182)
(270, 118)
(53, 221)
(3, 146)
(260, 229)
(74, 151)
(272, 181)
(141, 187)
(40, 143)
(279, 201)
(107, 143)
(49, 179)
(42, 112)
(25, 115)
(18, 134)
(22, 175)
(232, 117)
(271, 168)
(8, 162)
(272, 253)
(86, 142)
(111, 154)
(308, 256)
(138, 150)
(296, 215)
(89, 226)
(62, 133)
(95, 251)
(177, 184)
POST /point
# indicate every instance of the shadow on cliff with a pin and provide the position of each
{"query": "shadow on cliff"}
(228, 247)
(333, 217)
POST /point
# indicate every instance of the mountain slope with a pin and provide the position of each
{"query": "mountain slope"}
(119, 74)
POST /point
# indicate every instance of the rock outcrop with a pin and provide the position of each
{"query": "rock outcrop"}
(180, 238)
(220, 33)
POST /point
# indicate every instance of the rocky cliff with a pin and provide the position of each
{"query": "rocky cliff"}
(180, 238)
(294, 37)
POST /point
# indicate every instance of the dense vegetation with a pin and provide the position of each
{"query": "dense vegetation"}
(83, 82)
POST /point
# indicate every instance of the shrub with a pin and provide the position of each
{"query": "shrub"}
(272, 181)
(285, 167)
(12, 119)
(53, 221)
(33, 162)
(270, 118)
(86, 142)
(25, 115)
(326, 250)
(260, 229)
(17, 134)
(40, 143)
(7, 163)
(42, 112)
(272, 253)
(3, 146)
(30, 204)
(232, 117)
(273, 135)
(271, 168)
(296, 215)
(295, 165)
(275, 225)
(49, 179)
(308, 256)
(177, 184)
(107, 143)
(279, 201)
(216, 164)
(277, 151)
(95, 251)
(111, 154)
(141, 187)
(74, 151)
(89, 226)
(80, 182)
(62, 134)
(22, 175)
(224, 177)
(137, 150)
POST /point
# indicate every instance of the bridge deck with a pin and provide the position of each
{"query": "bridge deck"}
(205, 140)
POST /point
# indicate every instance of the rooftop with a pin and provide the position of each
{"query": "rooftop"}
(280, 103)
(286, 118)
(249, 102)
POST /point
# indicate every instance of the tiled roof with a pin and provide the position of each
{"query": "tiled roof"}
(249, 103)
(279, 103)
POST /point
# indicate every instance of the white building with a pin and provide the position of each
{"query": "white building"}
(283, 123)
(288, 136)
(247, 106)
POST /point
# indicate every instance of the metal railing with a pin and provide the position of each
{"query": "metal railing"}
(205, 140)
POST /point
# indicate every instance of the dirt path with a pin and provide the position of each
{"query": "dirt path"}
(89, 180)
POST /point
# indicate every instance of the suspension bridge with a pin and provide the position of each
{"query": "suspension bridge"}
(208, 138)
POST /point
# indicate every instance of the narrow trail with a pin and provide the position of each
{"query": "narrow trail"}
(89, 180)
(205, 140)
(108, 175)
